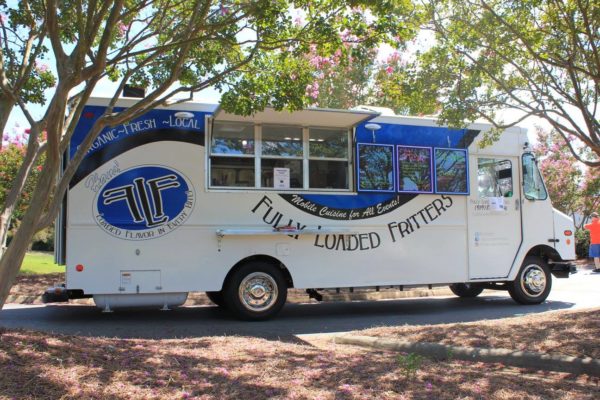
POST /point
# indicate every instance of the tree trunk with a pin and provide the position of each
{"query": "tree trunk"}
(5, 219)
(6, 107)
(12, 258)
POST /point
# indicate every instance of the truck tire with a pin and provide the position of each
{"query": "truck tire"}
(256, 291)
(466, 289)
(216, 297)
(533, 283)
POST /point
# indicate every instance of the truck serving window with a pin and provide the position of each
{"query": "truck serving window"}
(494, 178)
(232, 155)
(284, 156)
(328, 158)
(533, 184)
(282, 147)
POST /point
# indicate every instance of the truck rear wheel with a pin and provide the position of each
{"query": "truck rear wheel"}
(466, 289)
(216, 297)
(533, 283)
(256, 291)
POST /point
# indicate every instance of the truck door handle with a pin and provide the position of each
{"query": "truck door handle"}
(554, 240)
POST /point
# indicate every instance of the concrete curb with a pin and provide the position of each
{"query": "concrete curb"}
(524, 359)
(294, 296)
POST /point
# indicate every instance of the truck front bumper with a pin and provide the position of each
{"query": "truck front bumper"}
(563, 269)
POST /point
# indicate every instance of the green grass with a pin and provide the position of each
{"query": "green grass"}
(40, 263)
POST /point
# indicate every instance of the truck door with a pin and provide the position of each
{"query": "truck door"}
(494, 214)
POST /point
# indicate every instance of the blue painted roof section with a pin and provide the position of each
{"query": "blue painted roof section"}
(412, 135)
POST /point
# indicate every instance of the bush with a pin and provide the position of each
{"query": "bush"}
(582, 243)
(43, 240)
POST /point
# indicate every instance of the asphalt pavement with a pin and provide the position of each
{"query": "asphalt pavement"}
(580, 291)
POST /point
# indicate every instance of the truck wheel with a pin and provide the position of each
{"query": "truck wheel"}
(256, 291)
(216, 297)
(533, 283)
(466, 289)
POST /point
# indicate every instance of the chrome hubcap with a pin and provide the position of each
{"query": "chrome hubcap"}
(258, 291)
(533, 280)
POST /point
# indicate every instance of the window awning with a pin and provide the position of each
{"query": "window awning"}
(318, 117)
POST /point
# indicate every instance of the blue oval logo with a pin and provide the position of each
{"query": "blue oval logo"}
(144, 203)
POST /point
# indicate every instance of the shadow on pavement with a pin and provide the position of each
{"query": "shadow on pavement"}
(295, 319)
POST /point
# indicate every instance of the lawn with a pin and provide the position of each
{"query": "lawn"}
(40, 263)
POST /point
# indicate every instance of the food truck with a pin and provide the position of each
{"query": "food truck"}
(192, 198)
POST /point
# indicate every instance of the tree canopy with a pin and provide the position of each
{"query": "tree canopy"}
(504, 61)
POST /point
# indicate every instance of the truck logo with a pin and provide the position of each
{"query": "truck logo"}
(144, 203)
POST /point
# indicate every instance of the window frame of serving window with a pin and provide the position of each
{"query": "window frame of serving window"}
(329, 146)
(236, 164)
(276, 145)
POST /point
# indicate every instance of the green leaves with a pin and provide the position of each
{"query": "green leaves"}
(530, 57)
(277, 80)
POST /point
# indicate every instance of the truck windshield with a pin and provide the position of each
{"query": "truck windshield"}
(533, 185)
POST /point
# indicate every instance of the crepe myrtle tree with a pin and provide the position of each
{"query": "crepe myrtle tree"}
(343, 79)
(250, 50)
(526, 58)
(573, 188)
(563, 175)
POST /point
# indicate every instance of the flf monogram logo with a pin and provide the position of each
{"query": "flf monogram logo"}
(144, 198)
(144, 203)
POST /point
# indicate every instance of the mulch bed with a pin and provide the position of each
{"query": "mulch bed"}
(39, 366)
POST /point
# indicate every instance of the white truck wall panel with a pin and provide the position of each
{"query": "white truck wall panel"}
(562, 223)
(139, 203)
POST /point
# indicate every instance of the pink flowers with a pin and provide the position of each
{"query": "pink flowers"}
(122, 28)
(320, 62)
(313, 90)
(18, 137)
(389, 70)
(41, 67)
(348, 38)
(394, 57)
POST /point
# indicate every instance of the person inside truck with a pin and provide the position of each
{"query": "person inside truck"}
(594, 229)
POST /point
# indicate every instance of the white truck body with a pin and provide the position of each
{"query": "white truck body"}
(148, 221)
